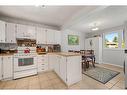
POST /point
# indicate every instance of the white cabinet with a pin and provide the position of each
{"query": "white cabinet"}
(0, 67)
(95, 44)
(67, 68)
(57, 65)
(58, 37)
(41, 35)
(25, 31)
(63, 68)
(52, 61)
(42, 61)
(50, 36)
(74, 71)
(2, 32)
(7, 67)
(10, 33)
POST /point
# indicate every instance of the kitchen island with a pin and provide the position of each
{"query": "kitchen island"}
(67, 66)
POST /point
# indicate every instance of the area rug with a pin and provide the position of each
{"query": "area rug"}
(101, 74)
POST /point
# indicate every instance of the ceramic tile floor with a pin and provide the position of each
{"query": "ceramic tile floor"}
(49, 80)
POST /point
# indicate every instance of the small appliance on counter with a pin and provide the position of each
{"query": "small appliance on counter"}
(40, 50)
(56, 48)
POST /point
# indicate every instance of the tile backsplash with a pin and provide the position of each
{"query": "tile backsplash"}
(8, 46)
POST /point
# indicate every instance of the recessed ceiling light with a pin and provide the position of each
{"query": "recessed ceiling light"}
(95, 29)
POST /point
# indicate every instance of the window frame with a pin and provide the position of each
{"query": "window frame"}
(119, 31)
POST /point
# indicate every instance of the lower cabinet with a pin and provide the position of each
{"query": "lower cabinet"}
(6, 67)
(63, 68)
(42, 61)
(68, 68)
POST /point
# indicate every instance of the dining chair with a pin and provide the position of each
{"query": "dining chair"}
(90, 59)
(84, 62)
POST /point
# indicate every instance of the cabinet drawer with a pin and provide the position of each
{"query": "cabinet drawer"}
(40, 69)
(42, 64)
(43, 60)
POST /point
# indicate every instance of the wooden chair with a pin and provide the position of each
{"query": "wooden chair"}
(90, 59)
(84, 62)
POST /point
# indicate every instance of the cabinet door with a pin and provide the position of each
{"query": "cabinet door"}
(20, 31)
(31, 32)
(41, 36)
(0, 68)
(63, 68)
(7, 67)
(74, 75)
(2, 32)
(50, 36)
(10, 33)
(58, 37)
(57, 65)
(52, 60)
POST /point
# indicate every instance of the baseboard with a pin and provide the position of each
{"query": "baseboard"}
(112, 64)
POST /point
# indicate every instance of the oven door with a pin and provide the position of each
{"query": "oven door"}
(25, 63)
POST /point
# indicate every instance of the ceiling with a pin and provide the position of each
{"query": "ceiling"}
(49, 15)
(105, 17)
(80, 18)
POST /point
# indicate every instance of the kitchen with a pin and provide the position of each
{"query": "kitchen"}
(42, 49)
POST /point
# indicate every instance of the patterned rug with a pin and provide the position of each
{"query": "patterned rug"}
(100, 74)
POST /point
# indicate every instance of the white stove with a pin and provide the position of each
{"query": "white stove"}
(25, 62)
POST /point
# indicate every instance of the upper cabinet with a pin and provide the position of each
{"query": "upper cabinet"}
(25, 31)
(41, 35)
(2, 32)
(58, 37)
(10, 33)
(50, 36)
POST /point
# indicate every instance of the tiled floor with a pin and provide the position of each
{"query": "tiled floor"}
(49, 80)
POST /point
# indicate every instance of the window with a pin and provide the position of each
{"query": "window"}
(123, 41)
(114, 39)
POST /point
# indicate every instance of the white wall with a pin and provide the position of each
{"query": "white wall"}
(110, 56)
(66, 47)
(115, 57)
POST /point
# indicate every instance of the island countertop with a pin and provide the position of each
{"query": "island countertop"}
(66, 54)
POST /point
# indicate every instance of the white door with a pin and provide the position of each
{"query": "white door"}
(52, 60)
(41, 36)
(0, 67)
(74, 75)
(50, 36)
(87, 44)
(10, 33)
(31, 32)
(57, 37)
(63, 68)
(57, 65)
(2, 31)
(7, 67)
(21, 31)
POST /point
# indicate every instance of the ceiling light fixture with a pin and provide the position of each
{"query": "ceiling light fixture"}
(95, 29)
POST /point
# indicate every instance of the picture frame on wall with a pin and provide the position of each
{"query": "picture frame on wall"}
(73, 40)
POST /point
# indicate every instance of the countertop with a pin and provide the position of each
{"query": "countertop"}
(6, 54)
(66, 54)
